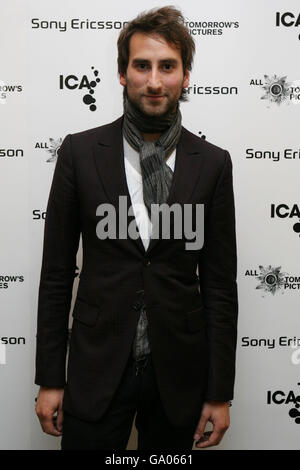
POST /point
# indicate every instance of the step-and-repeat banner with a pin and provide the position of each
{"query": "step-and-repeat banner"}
(58, 75)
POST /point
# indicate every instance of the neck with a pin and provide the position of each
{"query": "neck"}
(150, 127)
(150, 137)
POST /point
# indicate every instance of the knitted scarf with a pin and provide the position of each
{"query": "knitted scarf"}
(156, 174)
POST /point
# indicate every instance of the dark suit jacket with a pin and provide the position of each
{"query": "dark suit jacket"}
(192, 320)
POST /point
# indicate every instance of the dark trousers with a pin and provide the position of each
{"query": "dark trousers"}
(137, 393)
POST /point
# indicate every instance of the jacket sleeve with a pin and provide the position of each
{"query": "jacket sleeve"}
(61, 240)
(217, 276)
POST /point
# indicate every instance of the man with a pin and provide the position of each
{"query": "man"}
(149, 336)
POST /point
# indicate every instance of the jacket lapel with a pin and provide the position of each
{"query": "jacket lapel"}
(109, 160)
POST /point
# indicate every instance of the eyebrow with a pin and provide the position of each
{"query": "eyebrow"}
(163, 61)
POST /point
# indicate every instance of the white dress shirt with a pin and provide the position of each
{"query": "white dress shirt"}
(135, 187)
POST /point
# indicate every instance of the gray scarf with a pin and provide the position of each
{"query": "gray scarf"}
(156, 174)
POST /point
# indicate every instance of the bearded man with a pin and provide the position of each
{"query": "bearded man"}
(154, 322)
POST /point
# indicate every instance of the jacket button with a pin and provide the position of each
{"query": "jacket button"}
(137, 305)
(140, 292)
(147, 262)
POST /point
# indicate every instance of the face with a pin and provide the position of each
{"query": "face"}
(154, 78)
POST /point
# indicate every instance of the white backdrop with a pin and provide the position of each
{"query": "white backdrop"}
(246, 51)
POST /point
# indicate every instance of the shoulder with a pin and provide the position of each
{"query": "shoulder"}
(91, 136)
(212, 153)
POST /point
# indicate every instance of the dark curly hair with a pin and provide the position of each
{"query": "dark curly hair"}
(167, 22)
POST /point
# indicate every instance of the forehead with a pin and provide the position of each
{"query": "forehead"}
(151, 47)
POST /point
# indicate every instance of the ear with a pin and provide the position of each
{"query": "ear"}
(186, 79)
(123, 80)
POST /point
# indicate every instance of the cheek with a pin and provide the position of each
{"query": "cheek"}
(135, 81)
(174, 83)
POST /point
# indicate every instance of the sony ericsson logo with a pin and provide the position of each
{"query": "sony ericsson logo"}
(76, 24)
(197, 89)
(278, 90)
(38, 214)
(6, 342)
(288, 154)
(11, 152)
(273, 280)
(280, 397)
(73, 82)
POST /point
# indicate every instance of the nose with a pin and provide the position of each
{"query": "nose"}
(154, 79)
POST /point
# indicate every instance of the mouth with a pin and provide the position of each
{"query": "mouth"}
(154, 97)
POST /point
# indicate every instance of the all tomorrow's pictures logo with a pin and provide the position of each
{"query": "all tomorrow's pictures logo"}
(278, 90)
(210, 28)
(8, 88)
(273, 280)
(84, 84)
(51, 147)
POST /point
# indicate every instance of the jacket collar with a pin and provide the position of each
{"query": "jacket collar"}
(109, 160)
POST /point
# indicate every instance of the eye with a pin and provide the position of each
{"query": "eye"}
(142, 66)
(168, 67)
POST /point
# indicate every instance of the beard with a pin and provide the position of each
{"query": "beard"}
(169, 109)
(150, 124)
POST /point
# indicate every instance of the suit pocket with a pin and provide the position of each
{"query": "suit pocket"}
(86, 313)
(195, 319)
